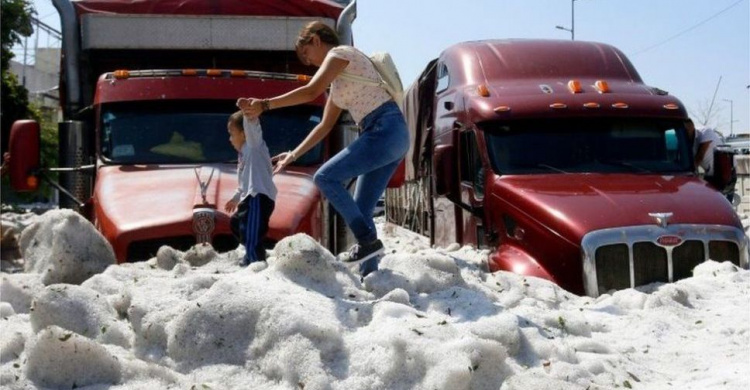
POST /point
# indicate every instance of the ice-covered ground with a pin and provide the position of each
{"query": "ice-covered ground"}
(430, 318)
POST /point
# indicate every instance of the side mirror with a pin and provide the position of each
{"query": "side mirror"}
(444, 168)
(23, 148)
(725, 176)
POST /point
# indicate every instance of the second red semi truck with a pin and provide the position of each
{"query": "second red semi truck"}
(559, 158)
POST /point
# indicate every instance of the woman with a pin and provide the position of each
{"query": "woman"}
(372, 158)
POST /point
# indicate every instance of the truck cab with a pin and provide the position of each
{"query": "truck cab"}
(147, 89)
(559, 158)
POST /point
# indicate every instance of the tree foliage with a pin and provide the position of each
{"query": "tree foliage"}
(16, 23)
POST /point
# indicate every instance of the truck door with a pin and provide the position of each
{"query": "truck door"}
(472, 174)
(447, 209)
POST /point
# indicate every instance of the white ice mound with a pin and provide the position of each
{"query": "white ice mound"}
(252, 318)
(80, 310)
(59, 358)
(416, 274)
(18, 290)
(304, 261)
(65, 248)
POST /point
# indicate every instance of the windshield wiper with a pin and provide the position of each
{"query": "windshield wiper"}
(551, 168)
(621, 163)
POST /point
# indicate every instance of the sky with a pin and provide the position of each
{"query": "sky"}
(430, 318)
(697, 50)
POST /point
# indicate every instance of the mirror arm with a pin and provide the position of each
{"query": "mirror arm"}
(60, 188)
(81, 168)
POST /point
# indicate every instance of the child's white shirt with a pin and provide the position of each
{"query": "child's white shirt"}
(254, 169)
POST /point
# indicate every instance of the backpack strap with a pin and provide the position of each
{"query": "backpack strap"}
(364, 80)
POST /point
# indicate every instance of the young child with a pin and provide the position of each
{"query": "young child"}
(255, 197)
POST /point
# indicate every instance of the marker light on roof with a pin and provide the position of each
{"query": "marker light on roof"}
(671, 106)
(620, 105)
(601, 86)
(558, 105)
(500, 109)
(575, 86)
(250, 74)
(483, 91)
(591, 105)
(121, 74)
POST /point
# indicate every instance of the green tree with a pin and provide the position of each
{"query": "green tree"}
(15, 24)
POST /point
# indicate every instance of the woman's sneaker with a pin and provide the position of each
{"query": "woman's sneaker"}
(361, 252)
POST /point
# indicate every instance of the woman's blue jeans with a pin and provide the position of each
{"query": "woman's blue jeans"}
(373, 158)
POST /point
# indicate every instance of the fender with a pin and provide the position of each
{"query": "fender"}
(513, 259)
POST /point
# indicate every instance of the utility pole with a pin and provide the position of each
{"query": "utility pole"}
(731, 116)
(572, 28)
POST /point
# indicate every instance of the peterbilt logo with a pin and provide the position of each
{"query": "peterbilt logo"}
(662, 219)
(669, 240)
(203, 224)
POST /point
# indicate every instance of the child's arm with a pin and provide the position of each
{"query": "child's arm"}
(251, 128)
(231, 204)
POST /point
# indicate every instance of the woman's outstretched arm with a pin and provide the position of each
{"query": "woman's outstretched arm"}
(329, 70)
(331, 114)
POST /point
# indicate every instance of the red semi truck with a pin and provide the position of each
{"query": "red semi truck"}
(146, 90)
(558, 157)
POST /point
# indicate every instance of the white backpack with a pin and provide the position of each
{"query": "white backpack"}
(389, 78)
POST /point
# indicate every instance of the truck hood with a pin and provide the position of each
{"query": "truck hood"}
(574, 204)
(149, 201)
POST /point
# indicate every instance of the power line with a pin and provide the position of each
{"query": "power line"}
(688, 29)
(46, 28)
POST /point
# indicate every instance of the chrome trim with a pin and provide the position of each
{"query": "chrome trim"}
(203, 184)
(662, 219)
(650, 233)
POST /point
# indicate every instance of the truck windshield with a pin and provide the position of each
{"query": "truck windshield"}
(190, 133)
(611, 145)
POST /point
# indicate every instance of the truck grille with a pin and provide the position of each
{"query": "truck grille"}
(649, 263)
(146, 249)
(613, 267)
(690, 253)
(615, 259)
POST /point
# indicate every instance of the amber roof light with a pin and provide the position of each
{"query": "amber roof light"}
(121, 74)
(602, 86)
(483, 90)
(575, 86)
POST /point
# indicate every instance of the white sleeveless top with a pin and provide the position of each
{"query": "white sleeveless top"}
(360, 99)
